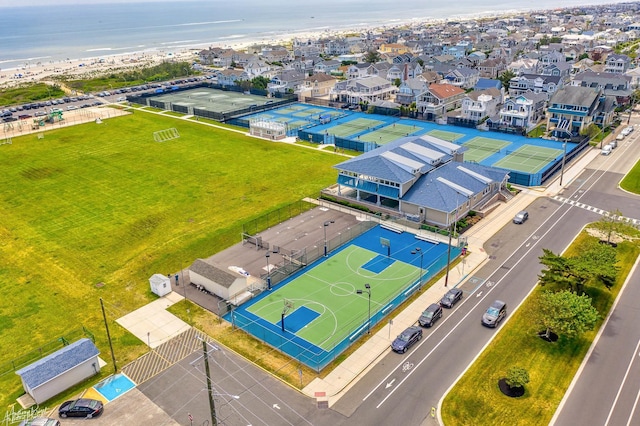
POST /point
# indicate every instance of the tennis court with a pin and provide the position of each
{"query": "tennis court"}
(391, 132)
(529, 158)
(319, 308)
(207, 99)
(296, 116)
(479, 148)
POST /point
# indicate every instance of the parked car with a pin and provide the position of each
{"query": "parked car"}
(521, 217)
(87, 408)
(613, 144)
(496, 313)
(406, 339)
(450, 298)
(430, 315)
(40, 421)
(606, 150)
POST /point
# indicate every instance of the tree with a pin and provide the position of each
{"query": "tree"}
(506, 77)
(397, 82)
(372, 56)
(517, 377)
(565, 312)
(260, 82)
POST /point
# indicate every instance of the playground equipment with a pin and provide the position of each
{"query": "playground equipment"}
(53, 116)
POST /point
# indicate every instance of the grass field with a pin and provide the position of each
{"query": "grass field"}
(92, 211)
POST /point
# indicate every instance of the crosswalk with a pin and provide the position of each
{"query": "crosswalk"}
(632, 221)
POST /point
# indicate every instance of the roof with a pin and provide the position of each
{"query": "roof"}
(444, 90)
(446, 187)
(575, 95)
(59, 362)
(212, 273)
(413, 150)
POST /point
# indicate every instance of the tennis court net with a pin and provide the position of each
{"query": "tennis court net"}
(482, 148)
(547, 158)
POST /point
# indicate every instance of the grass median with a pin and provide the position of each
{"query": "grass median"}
(476, 399)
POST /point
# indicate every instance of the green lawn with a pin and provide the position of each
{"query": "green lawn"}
(631, 181)
(92, 211)
(476, 398)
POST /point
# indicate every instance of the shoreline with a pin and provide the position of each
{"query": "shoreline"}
(94, 66)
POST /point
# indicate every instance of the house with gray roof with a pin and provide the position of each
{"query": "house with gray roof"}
(421, 178)
(573, 108)
(365, 89)
(228, 285)
(520, 113)
(616, 85)
(61, 370)
(536, 83)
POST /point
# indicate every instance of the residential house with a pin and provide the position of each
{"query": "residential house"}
(278, 54)
(286, 81)
(394, 48)
(256, 67)
(317, 86)
(438, 99)
(357, 70)
(491, 68)
(230, 77)
(615, 85)
(463, 77)
(617, 64)
(536, 83)
(363, 90)
(477, 106)
(520, 113)
(573, 108)
(524, 66)
(326, 66)
(409, 90)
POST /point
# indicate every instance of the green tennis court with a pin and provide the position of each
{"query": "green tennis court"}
(480, 148)
(390, 133)
(354, 126)
(329, 291)
(444, 135)
(529, 158)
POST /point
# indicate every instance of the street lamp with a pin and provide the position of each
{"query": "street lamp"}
(451, 230)
(418, 250)
(564, 156)
(368, 291)
(268, 272)
(327, 223)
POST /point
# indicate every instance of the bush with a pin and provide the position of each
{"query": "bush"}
(517, 377)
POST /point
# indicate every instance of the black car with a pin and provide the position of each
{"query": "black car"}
(496, 313)
(521, 217)
(87, 408)
(430, 315)
(406, 339)
(450, 298)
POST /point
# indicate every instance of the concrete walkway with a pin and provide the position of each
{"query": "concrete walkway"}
(340, 380)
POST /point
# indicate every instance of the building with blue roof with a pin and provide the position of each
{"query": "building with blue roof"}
(421, 178)
(57, 372)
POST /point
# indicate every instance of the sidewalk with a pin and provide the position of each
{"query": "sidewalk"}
(340, 380)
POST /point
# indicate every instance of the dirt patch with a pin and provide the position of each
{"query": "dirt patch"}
(602, 236)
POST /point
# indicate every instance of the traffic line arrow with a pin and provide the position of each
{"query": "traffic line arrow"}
(276, 406)
(479, 294)
(388, 385)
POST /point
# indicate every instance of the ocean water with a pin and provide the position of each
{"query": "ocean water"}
(51, 33)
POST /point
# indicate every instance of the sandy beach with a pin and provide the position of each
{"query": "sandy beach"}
(93, 67)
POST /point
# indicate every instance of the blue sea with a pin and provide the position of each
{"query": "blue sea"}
(59, 31)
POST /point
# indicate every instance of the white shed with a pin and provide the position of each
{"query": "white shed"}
(217, 281)
(160, 284)
(57, 372)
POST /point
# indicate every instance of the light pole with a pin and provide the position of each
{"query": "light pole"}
(564, 156)
(327, 223)
(451, 228)
(268, 272)
(418, 250)
(368, 291)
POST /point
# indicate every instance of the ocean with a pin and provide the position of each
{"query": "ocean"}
(51, 33)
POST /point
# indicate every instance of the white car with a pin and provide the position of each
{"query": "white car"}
(606, 150)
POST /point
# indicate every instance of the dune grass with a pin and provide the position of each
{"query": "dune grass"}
(92, 211)
(476, 398)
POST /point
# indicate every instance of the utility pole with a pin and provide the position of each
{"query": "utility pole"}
(106, 325)
(212, 404)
